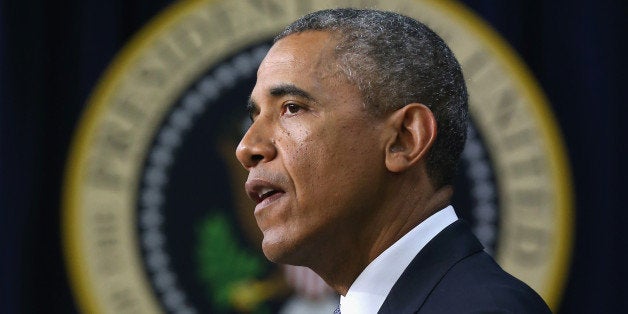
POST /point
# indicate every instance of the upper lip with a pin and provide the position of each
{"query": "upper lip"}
(259, 189)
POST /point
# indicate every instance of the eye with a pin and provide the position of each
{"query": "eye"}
(253, 111)
(291, 108)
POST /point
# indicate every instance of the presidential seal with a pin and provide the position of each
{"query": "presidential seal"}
(155, 216)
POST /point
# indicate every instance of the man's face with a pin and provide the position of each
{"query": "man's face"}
(314, 154)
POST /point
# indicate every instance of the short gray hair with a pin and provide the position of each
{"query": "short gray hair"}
(395, 60)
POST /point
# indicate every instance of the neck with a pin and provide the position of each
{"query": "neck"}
(380, 231)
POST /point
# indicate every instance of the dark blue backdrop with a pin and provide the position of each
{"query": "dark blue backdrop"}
(52, 54)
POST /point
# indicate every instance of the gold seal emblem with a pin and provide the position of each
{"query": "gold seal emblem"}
(139, 117)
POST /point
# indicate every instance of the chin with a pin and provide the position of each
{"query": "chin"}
(282, 251)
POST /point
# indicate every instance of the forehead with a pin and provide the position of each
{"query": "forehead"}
(314, 48)
(304, 59)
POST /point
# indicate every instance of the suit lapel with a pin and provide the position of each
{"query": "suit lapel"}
(425, 271)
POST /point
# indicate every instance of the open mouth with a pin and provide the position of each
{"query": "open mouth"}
(266, 193)
(260, 190)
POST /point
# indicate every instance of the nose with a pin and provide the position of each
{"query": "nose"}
(257, 145)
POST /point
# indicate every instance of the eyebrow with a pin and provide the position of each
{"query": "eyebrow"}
(290, 89)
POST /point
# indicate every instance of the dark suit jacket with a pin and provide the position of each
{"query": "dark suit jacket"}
(453, 274)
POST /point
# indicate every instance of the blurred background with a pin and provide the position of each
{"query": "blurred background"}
(52, 54)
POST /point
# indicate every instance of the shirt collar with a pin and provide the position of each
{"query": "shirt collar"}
(369, 291)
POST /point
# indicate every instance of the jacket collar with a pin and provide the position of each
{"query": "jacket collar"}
(451, 245)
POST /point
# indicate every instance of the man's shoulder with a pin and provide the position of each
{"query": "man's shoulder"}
(453, 274)
(478, 284)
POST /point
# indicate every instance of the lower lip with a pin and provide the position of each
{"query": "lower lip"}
(268, 201)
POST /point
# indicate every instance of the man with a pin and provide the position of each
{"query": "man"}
(359, 119)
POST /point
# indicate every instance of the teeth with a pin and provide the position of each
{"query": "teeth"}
(264, 191)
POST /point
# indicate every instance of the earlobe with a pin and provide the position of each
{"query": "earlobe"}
(413, 133)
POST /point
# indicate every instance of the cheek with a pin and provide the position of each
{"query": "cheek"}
(300, 146)
(325, 158)
(301, 159)
(310, 165)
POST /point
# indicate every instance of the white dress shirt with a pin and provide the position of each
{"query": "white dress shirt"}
(369, 291)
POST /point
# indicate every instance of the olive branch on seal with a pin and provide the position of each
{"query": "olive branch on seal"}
(228, 270)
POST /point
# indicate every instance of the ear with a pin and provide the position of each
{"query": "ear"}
(413, 133)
